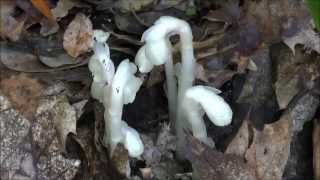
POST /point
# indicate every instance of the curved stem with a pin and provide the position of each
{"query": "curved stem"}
(186, 79)
(171, 87)
(114, 104)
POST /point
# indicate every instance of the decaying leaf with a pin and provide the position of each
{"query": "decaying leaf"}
(62, 8)
(45, 134)
(316, 149)
(60, 59)
(211, 164)
(132, 5)
(77, 38)
(120, 159)
(217, 78)
(270, 148)
(65, 119)
(63, 116)
(156, 76)
(258, 86)
(301, 34)
(158, 155)
(23, 92)
(240, 143)
(4, 102)
(24, 61)
(48, 27)
(10, 27)
(14, 155)
(294, 73)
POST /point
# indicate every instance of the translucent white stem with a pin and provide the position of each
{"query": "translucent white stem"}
(185, 81)
(118, 95)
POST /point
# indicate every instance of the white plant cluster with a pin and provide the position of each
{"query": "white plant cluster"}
(187, 103)
(114, 89)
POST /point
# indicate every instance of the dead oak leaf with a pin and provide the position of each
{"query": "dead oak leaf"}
(77, 38)
(270, 149)
(62, 8)
(208, 163)
(23, 92)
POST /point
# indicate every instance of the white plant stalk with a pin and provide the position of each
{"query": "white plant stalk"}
(100, 65)
(203, 99)
(146, 64)
(114, 90)
(157, 51)
(122, 91)
(184, 109)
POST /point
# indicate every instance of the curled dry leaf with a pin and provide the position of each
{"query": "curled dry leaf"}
(77, 38)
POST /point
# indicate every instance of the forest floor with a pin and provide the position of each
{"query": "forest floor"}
(263, 55)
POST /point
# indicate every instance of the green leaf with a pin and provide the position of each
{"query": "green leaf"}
(314, 7)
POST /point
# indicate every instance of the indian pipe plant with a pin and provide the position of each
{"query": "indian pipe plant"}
(187, 103)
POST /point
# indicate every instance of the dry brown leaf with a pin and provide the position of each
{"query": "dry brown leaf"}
(78, 36)
(239, 145)
(62, 8)
(211, 164)
(156, 76)
(43, 7)
(47, 131)
(23, 92)
(294, 73)
(65, 120)
(132, 5)
(48, 27)
(270, 149)
(20, 60)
